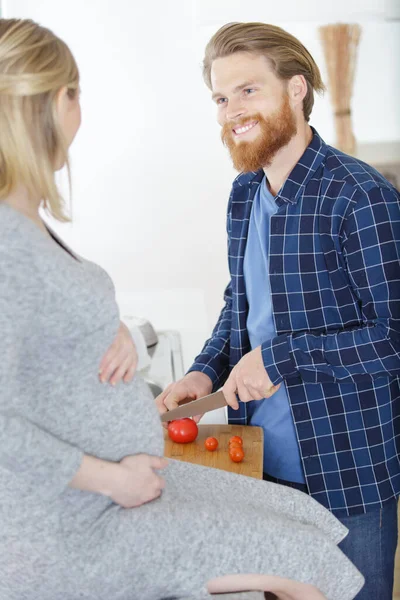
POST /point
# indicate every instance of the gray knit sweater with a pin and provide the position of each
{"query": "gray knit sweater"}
(58, 316)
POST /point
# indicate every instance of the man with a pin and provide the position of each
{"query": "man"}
(309, 337)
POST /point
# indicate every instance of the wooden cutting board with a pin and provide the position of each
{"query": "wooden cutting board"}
(195, 452)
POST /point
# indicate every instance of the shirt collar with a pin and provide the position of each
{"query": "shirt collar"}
(300, 174)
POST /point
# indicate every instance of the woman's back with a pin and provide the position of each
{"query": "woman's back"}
(58, 316)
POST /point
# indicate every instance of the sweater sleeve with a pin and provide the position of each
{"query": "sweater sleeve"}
(27, 451)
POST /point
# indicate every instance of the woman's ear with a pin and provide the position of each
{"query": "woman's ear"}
(62, 103)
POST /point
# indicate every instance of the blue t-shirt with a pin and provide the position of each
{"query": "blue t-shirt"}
(281, 449)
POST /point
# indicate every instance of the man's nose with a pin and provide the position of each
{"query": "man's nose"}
(235, 110)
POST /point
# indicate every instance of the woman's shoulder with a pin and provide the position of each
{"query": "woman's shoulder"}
(17, 231)
(18, 260)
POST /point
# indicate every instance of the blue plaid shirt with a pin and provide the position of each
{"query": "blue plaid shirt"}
(335, 282)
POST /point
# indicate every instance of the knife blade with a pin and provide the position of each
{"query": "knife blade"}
(196, 407)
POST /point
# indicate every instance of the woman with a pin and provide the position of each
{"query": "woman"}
(84, 511)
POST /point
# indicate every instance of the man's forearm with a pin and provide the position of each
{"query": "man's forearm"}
(343, 355)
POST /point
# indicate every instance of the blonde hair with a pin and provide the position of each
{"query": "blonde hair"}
(34, 65)
(287, 56)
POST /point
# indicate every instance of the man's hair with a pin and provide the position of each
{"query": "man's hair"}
(34, 65)
(286, 55)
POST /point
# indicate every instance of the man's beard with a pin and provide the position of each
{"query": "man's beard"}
(276, 132)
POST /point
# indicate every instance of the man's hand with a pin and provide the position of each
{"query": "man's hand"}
(120, 360)
(249, 380)
(194, 385)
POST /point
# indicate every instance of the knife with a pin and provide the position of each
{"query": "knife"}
(192, 408)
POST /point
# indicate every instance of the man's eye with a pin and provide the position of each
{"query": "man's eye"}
(248, 91)
(221, 100)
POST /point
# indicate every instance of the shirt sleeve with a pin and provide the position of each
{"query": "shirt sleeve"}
(214, 357)
(27, 451)
(371, 251)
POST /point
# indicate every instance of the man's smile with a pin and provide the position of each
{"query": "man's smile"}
(240, 129)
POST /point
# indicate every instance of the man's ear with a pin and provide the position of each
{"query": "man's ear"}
(297, 89)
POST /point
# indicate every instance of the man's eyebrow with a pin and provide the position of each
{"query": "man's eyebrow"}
(238, 88)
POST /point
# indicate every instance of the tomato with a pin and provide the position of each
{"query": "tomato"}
(236, 438)
(183, 431)
(236, 454)
(211, 444)
(235, 445)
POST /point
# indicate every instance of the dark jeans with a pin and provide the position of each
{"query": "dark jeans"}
(370, 544)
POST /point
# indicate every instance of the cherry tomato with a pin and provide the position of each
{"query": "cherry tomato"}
(236, 454)
(183, 431)
(211, 444)
(235, 445)
(236, 438)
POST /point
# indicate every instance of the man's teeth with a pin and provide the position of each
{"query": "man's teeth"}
(244, 128)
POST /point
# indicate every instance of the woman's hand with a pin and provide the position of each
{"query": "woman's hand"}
(129, 483)
(120, 360)
(137, 482)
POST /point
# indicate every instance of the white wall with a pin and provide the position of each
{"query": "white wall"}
(150, 176)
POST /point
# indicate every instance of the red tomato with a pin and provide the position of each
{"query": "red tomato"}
(211, 444)
(236, 438)
(236, 454)
(182, 431)
(235, 445)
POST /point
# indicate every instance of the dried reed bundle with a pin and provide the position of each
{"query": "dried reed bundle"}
(340, 42)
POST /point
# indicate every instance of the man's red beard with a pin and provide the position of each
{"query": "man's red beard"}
(276, 132)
